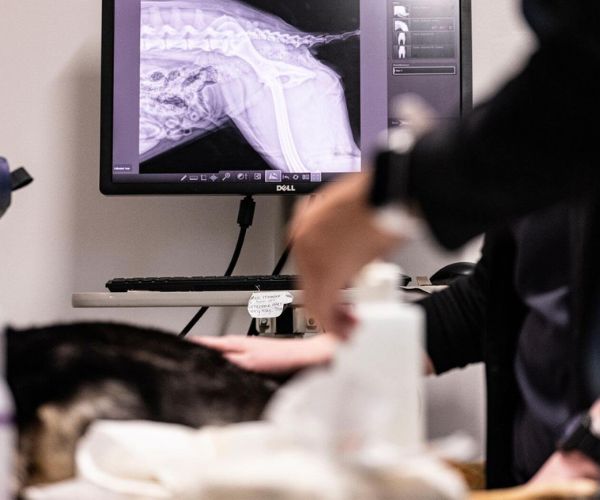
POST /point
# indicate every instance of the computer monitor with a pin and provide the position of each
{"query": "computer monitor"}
(267, 96)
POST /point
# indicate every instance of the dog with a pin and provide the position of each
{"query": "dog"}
(64, 377)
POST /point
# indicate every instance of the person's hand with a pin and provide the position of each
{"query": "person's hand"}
(275, 356)
(566, 466)
(334, 236)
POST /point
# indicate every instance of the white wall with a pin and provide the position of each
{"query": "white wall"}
(62, 236)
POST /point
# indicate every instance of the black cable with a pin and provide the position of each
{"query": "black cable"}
(237, 251)
(245, 219)
(232, 264)
(282, 260)
(193, 322)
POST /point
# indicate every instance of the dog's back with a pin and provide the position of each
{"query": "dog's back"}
(63, 377)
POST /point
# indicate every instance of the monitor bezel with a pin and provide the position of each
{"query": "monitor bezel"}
(109, 187)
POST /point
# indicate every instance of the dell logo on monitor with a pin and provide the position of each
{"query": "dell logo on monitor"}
(286, 188)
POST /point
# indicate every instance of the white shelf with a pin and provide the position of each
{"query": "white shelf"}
(192, 299)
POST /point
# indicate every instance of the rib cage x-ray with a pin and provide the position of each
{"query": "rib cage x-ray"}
(208, 64)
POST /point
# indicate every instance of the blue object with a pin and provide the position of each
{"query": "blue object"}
(5, 186)
(9, 182)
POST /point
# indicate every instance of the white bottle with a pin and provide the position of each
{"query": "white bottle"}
(7, 427)
(385, 357)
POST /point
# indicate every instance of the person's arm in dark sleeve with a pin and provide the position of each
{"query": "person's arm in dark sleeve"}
(455, 320)
(530, 146)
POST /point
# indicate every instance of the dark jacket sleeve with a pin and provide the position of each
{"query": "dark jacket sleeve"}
(456, 319)
(530, 146)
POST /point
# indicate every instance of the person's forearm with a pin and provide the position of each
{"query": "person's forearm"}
(319, 350)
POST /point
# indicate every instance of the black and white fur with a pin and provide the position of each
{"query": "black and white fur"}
(66, 376)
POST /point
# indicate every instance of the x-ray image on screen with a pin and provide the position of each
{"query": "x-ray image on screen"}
(249, 84)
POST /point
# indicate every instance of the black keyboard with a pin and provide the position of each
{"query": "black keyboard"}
(210, 283)
(204, 284)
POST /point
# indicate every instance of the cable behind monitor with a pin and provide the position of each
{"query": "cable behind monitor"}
(244, 220)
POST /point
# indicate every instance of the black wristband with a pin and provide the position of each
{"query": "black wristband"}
(579, 437)
(390, 179)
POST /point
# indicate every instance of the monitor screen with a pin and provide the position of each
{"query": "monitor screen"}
(266, 96)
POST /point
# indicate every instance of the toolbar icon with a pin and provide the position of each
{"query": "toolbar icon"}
(273, 175)
(400, 11)
(401, 26)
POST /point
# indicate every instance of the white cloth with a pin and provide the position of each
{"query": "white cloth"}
(146, 460)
